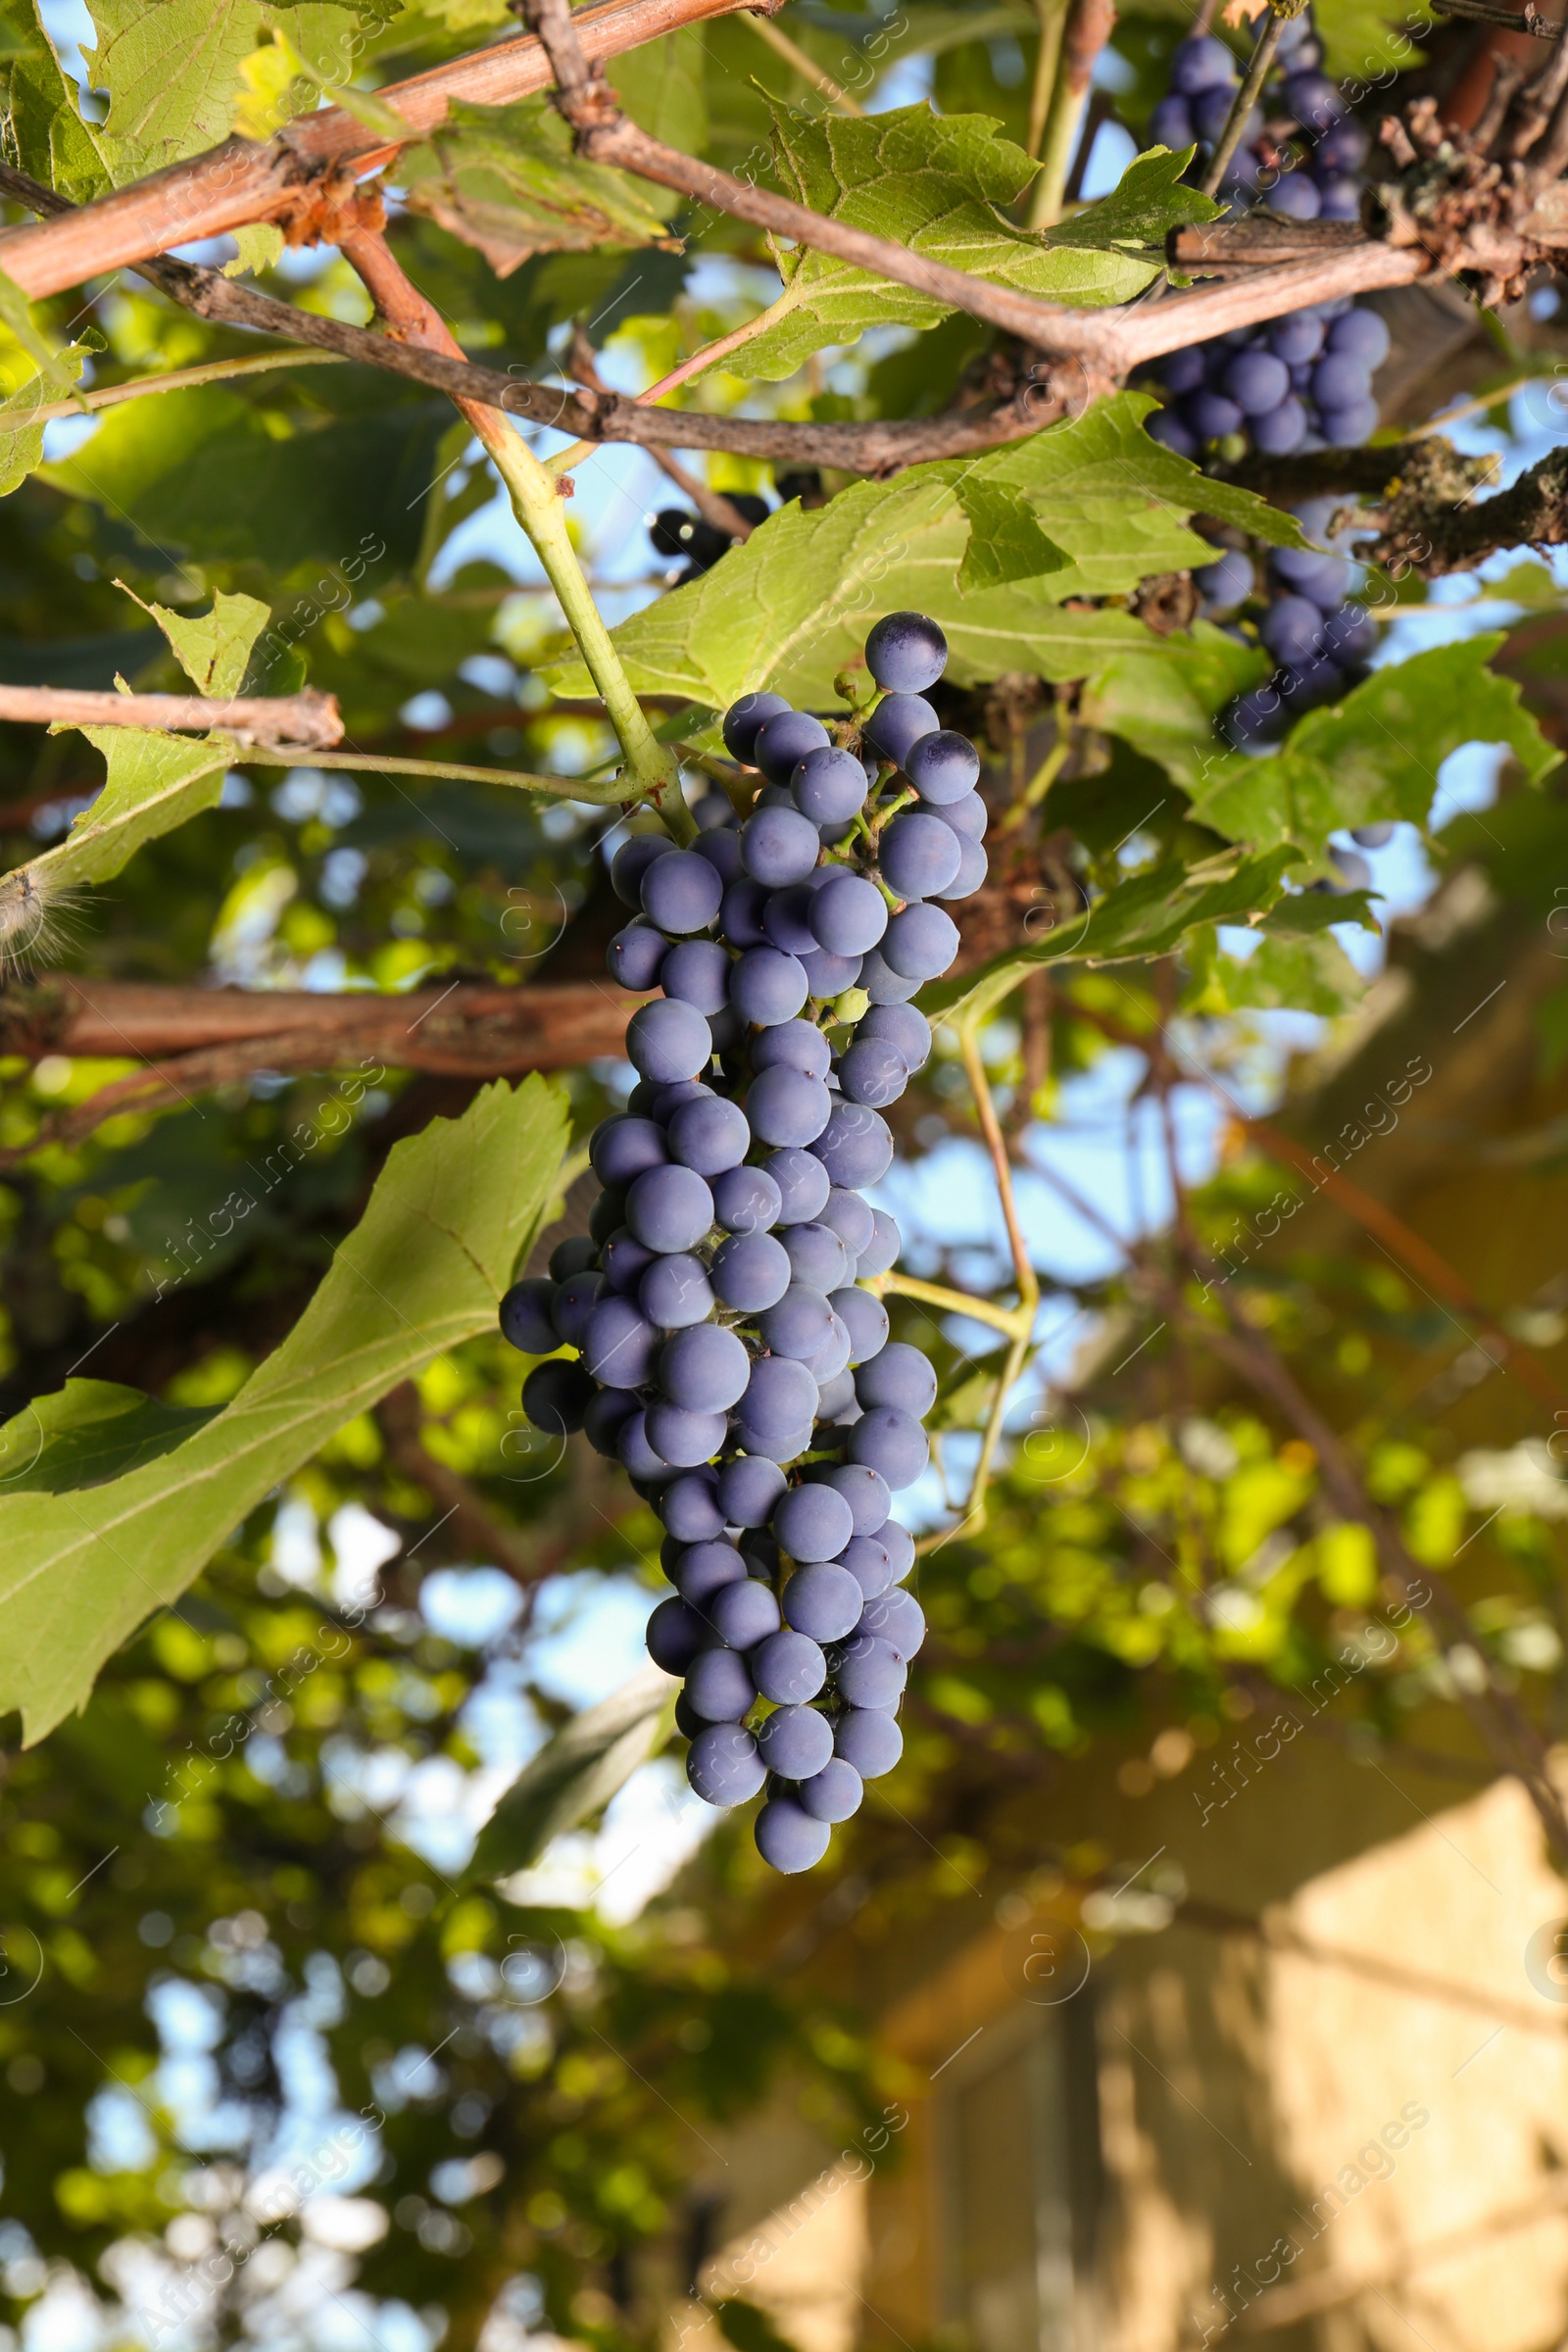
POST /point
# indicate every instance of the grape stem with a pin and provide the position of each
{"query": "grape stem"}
(540, 508)
(1230, 138)
(1087, 28)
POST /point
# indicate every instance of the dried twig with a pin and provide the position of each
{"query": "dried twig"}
(304, 721)
(241, 181)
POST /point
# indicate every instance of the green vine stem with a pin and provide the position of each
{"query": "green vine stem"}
(538, 503)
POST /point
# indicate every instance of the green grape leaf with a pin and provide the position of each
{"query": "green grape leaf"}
(1306, 913)
(1006, 542)
(21, 436)
(257, 479)
(1148, 914)
(1107, 497)
(422, 1272)
(261, 247)
(172, 69)
(1308, 975)
(1377, 754)
(214, 649)
(937, 184)
(87, 1431)
(155, 782)
(504, 180)
(662, 86)
(41, 131)
(576, 1773)
(1148, 202)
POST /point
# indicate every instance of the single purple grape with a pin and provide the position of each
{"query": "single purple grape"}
(851, 1218)
(881, 983)
(864, 1319)
(1256, 382)
(920, 858)
(901, 1377)
(895, 1616)
(795, 1742)
(632, 860)
(829, 786)
(1283, 431)
(869, 1738)
(526, 1320)
(867, 1562)
(788, 1840)
(785, 741)
(638, 1458)
(575, 1303)
(896, 725)
(704, 1368)
(681, 892)
(887, 1441)
(906, 653)
(721, 845)
(1292, 628)
(1212, 415)
(636, 954)
(605, 1416)
(798, 1325)
(669, 1040)
(899, 1545)
(621, 1147)
(711, 1137)
(751, 1271)
(675, 1293)
(1171, 124)
(746, 1201)
(676, 1635)
(689, 1508)
(789, 1669)
(1296, 339)
(1296, 196)
(804, 1185)
(922, 942)
(817, 1255)
(777, 1408)
(786, 1106)
(943, 767)
(1348, 427)
(1314, 101)
(1168, 429)
(882, 1251)
(671, 1209)
(873, 1072)
(847, 916)
(749, 1490)
(855, 1148)
(741, 913)
(744, 721)
(1202, 63)
(834, 1793)
(745, 1614)
(870, 1673)
(766, 987)
(813, 1523)
(696, 971)
(702, 1569)
(684, 1437)
(719, 1685)
(828, 975)
(779, 846)
(723, 1765)
(577, 1255)
(556, 1396)
(785, 920)
(800, 1045)
(620, 1343)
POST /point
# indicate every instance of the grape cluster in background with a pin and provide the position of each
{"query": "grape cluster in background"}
(1304, 381)
(724, 1348)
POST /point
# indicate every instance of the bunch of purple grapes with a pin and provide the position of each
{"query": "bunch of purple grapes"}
(1295, 384)
(1320, 639)
(726, 1350)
